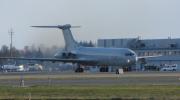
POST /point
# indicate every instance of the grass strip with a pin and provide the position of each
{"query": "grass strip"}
(144, 92)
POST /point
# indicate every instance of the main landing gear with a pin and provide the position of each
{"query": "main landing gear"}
(104, 69)
(79, 69)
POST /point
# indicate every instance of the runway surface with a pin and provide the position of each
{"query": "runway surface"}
(87, 78)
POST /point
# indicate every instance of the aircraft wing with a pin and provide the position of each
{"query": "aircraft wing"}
(82, 61)
(144, 57)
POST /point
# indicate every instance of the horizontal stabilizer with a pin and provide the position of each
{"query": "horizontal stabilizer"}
(46, 26)
(58, 26)
(70, 43)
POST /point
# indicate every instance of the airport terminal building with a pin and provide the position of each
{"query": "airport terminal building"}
(168, 48)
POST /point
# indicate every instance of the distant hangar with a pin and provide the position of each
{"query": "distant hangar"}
(169, 48)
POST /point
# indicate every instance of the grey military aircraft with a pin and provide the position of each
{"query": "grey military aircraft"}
(87, 56)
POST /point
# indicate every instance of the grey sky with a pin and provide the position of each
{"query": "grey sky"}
(98, 18)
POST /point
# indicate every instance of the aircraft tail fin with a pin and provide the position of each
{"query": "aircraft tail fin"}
(70, 43)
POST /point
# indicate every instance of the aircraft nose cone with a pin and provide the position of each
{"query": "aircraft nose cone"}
(131, 60)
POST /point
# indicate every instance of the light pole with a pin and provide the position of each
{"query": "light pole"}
(11, 36)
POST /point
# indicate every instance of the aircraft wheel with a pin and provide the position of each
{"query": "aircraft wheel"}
(79, 70)
(117, 71)
(103, 69)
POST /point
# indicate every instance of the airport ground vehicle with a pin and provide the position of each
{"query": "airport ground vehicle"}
(34, 67)
(12, 68)
(166, 67)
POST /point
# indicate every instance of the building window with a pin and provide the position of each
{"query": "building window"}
(143, 54)
(174, 53)
(165, 53)
(178, 52)
(113, 43)
(155, 53)
(173, 45)
(169, 52)
(149, 53)
(105, 43)
(159, 52)
(142, 45)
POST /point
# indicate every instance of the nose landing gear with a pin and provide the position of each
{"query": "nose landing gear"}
(119, 71)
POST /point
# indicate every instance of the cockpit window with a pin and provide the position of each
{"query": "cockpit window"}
(129, 54)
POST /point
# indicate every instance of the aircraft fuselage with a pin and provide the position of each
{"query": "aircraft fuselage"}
(104, 56)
